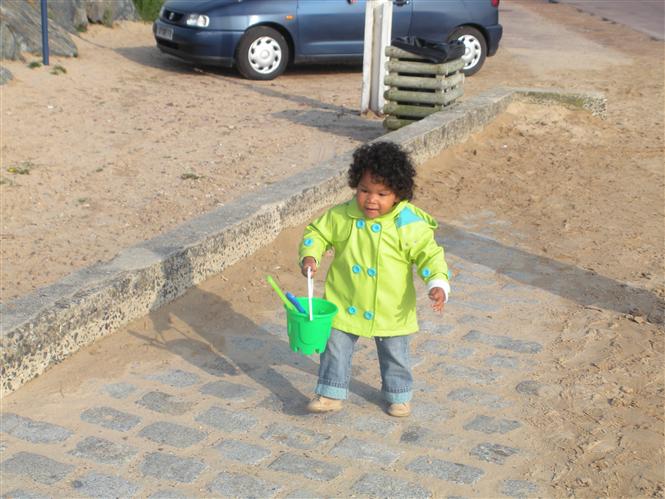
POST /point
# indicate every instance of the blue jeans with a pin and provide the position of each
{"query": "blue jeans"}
(394, 363)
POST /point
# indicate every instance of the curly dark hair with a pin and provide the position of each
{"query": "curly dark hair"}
(388, 163)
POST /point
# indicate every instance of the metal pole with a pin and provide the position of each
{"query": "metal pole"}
(45, 33)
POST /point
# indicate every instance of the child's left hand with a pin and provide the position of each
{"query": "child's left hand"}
(438, 297)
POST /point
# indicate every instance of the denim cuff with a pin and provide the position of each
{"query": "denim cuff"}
(332, 392)
(397, 398)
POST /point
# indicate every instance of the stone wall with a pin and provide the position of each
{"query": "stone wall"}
(20, 23)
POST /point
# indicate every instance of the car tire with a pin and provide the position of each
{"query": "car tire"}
(476, 48)
(262, 54)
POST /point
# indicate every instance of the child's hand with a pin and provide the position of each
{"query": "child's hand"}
(438, 297)
(308, 262)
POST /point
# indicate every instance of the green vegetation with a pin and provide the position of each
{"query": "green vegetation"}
(58, 69)
(82, 28)
(22, 169)
(190, 176)
(35, 64)
(107, 18)
(148, 9)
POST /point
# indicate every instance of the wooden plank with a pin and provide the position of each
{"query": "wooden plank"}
(406, 111)
(392, 123)
(440, 98)
(438, 82)
(397, 53)
(395, 66)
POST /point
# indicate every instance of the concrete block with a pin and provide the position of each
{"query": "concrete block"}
(103, 451)
(110, 418)
(98, 485)
(23, 494)
(472, 374)
(504, 342)
(493, 453)
(479, 397)
(167, 494)
(243, 452)
(37, 432)
(294, 436)
(489, 424)
(171, 468)
(163, 432)
(360, 422)
(39, 468)
(306, 467)
(165, 403)
(427, 438)
(383, 485)
(119, 390)
(239, 485)
(518, 488)
(228, 421)
(175, 378)
(226, 390)
(356, 449)
(446, 470)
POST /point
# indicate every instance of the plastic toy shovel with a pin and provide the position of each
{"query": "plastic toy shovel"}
(310, 291)
(281, 295)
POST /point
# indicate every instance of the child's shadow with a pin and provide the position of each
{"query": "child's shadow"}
(208, 333)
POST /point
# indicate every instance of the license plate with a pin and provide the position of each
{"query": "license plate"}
(166, 33)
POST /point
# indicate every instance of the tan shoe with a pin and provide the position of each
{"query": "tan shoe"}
(400, 410)
(324, 404)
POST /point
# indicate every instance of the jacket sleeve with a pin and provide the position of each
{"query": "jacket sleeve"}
(317, 238)
(429, 258)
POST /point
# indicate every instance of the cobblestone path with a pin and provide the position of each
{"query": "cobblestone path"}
(203, 424)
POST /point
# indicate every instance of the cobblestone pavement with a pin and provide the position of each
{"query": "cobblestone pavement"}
(199, 423)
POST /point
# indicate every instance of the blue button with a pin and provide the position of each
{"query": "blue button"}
(371, 272)
(376, 227)
(368, 315)
(352, 310)
(426, 272)
(360, 224)
(308, 242)
(356, 269)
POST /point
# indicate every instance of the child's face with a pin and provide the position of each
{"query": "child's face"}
(374, 198)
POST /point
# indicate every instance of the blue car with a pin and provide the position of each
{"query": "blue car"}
(260, 37)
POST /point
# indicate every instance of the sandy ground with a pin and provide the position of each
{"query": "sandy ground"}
(116, 157)
(107, 152)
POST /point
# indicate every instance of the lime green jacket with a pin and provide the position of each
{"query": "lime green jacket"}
(371, 276)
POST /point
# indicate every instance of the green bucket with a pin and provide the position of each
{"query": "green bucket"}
(305, 336)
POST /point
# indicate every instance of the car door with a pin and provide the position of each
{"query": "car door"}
(337, 27)
(435, 19)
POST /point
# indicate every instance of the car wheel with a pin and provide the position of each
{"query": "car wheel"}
(475, 48)
(262, 54)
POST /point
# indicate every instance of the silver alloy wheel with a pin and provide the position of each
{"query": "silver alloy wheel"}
(473, 50)
(264, 55)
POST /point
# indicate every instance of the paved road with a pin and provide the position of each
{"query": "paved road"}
(647, 16)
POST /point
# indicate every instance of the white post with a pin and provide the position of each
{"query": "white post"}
(378, 28)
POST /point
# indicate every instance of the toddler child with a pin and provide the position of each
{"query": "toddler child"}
(377, 238)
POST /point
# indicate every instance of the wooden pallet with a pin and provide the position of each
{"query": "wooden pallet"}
(418, 88)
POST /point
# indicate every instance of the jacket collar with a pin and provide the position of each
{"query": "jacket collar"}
(354, 211)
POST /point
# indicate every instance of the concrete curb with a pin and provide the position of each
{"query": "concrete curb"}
(46, 326)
